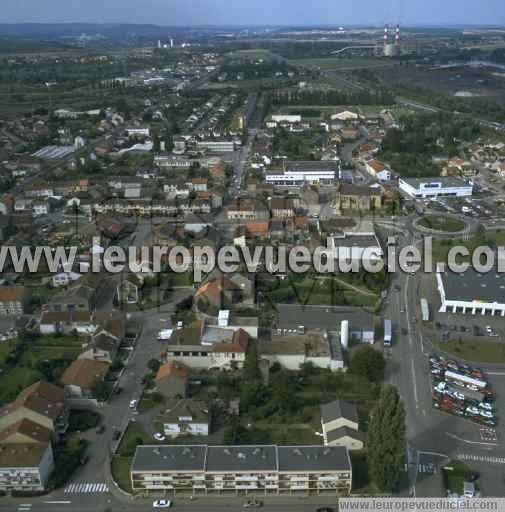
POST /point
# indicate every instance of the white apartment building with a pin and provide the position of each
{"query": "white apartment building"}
(222, 470)
(25, 466)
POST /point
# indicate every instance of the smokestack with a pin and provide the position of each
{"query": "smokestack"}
(386, 34)
(397, 35)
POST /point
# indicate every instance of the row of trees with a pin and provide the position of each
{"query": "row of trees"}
(333, 97)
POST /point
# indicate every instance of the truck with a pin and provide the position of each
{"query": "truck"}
(465, 379)
(388, 334)
(425, 310)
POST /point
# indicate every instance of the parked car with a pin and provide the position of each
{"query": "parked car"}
(162, 504)
(159, 436)
(254, 503)
(133, 404)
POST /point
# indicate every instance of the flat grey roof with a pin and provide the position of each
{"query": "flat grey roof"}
(446, 181)
(169, 458)
(363, 241)
(199, 458)
(313, 458)
(338, 409)
(472, 285)
(242, 458)
(308, 165)
(290, 316)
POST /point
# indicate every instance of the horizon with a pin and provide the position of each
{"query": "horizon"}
(178, 13)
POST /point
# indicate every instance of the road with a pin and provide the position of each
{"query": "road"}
(91, 506)
(434, 437)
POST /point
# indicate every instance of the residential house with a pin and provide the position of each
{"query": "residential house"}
(378, 170)
(25, 431)
(220, 292)
(52, 322)
(42, 403)
(81, 377)
(246, 209)
(13, 300)
(172, 379)
(184, 417)
(77, 298)
(339, 421)
(282, 207)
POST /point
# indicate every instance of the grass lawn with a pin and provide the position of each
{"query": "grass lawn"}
(120, 468)
(283, 435)
(442, 223)
(5, 349)
(133, 436)
(321, 291)
(490, 238)
(476, 351)
(25, 371)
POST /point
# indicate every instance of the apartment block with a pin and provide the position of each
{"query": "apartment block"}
(265, 469)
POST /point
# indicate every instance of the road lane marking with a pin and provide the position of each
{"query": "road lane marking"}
(454, 436)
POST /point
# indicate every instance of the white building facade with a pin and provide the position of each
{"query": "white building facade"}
(427, 188)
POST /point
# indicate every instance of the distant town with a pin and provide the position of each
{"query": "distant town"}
(147, 388)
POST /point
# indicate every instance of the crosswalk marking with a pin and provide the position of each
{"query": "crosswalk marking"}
(86, 488)
(482, 458)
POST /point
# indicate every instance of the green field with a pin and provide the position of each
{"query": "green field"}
(474, 351)
(342, 63)
(255, 53)
(491, 238)
(442, 223)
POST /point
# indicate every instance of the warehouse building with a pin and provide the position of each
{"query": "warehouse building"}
(428, 188)
(265, 469)
(299, 173)
(472, 292)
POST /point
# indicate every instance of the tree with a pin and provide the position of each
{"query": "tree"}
(154, 365)
(386, 439)
(368, 363)
(251, 372)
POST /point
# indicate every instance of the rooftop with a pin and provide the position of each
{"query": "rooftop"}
(445, 181)
(271, 458)
(292, 316)
(22, 455)
(338, 409)
(313, 458)
(474, 286)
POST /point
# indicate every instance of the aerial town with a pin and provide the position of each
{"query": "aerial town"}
(146, 388)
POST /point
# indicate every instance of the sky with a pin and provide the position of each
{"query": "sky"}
(256, 12)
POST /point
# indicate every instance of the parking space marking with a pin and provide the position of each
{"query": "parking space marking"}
(488, 434)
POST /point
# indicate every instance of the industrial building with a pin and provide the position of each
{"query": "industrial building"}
(299, 173)
(349, 322)
(266, 469)
(442, 186)
(472, 292)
